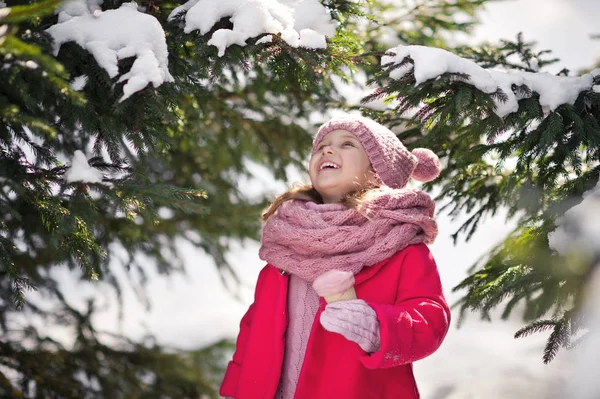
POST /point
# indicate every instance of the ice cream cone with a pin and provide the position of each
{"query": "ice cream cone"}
(335, 285)
(347, 295)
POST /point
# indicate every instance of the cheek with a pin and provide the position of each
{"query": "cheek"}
(311, 167)
(365, 164)
(311, 164)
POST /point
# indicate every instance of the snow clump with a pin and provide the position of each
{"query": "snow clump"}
(113, 35)
(301, 23)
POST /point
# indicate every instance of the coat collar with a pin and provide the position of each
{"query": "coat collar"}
(368, 272)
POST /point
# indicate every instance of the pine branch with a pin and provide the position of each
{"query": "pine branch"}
(536, 327)
(558, 338)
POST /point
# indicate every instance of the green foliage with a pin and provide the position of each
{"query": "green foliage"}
(91, 369)
(536, 165)
(171, 159)
(518, 55)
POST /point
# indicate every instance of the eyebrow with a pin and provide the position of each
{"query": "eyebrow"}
(344, 137)
(349, 136)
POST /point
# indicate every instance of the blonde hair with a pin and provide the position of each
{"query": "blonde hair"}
(354, 199)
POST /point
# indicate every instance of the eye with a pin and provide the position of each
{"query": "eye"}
(320, 147)
(349, 143)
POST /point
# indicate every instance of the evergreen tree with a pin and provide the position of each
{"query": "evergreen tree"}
(166, 134)
(537, 160)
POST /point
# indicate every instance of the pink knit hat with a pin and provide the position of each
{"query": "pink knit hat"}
(390, 160)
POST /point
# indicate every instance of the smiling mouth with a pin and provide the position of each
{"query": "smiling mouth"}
(328, 165)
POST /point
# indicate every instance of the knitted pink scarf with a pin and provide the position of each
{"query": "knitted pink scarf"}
(308, 239)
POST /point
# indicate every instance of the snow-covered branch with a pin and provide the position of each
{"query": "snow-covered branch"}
(301, 23)
(429, 63)
(113, 35)
(80, 170)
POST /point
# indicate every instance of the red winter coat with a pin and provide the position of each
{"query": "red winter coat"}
(406, 293)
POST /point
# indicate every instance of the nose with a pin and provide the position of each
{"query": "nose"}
(327, 149)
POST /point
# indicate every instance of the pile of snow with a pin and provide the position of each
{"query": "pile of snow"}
(79, 83)
(81, 170)
(77, 8)
(579, 229)
(429, 63)
(301, 23)
(113, 35)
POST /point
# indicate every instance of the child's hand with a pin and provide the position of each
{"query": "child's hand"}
(355, 320)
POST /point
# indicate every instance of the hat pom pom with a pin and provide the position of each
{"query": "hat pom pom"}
(428, 167)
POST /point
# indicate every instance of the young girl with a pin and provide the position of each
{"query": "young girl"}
(351, 295)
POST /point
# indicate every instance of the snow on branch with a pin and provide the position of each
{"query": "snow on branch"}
(429, 63)
(113, 35)
(81, 171)
(301, 23)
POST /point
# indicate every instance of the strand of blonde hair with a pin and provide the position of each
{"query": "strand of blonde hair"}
(355, 199)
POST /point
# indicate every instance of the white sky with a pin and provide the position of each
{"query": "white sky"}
(563, 26)
(195, 310)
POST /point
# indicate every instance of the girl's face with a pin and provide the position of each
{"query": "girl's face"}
(339, 165)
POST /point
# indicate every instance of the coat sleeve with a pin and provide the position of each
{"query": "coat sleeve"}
(229, 384)
(416, 324)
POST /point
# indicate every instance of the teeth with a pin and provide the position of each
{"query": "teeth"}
(329, 164)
